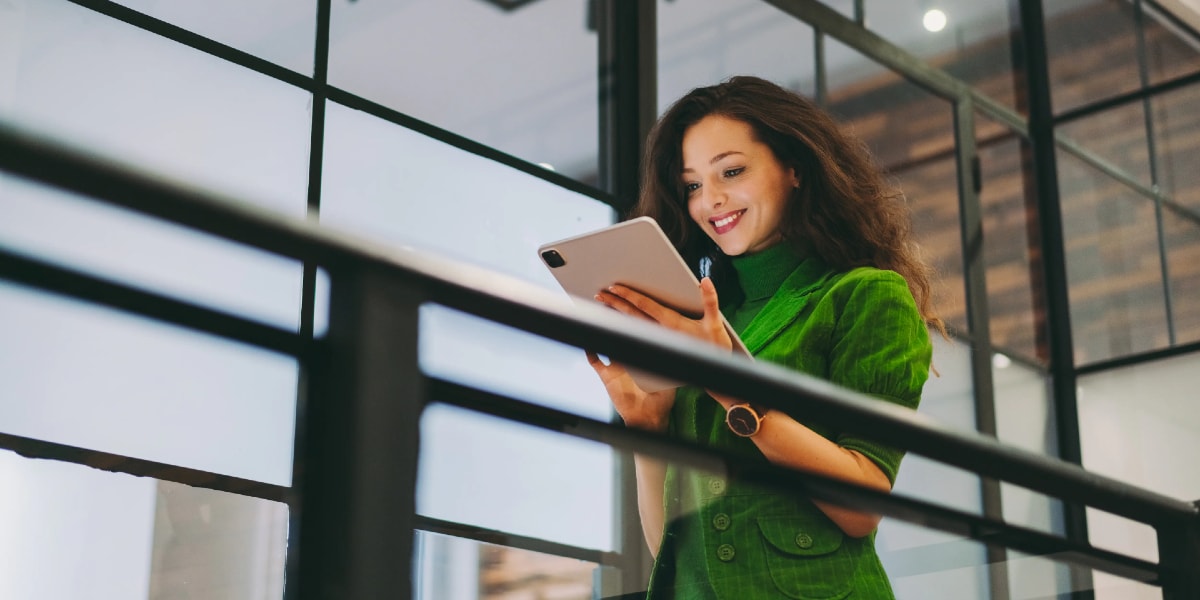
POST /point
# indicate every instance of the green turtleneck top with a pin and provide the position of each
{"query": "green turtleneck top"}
(759, 276)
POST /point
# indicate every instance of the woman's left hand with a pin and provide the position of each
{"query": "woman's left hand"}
(709, 327)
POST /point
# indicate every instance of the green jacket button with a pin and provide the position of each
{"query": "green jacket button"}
(721, 521)
(804, 540)
(725, 552)
(716, 486)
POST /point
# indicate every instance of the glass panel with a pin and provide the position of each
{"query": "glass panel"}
(1145, 443)
(456, 568)
(72, 531)
(1183, 254)
(851, 76)
(970, 39)
(1177, 144)
(932, 191)
(1010, 228)
(522, 80)
(281, 31)
(95, 378)
(1113, 267)
(133, 96)
(145, 252)
(422, 202)
(901, 122)
(1116, 136)
(1091, 51)
(704, 42)
(210, 544)
(911, 135)
(922, 560)
(1170, 51)
(132, 537)
(1025, 419)
(515, 478)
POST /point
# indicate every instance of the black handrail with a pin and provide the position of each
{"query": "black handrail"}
(522, 305)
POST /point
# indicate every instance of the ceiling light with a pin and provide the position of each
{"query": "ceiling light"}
(935, 20)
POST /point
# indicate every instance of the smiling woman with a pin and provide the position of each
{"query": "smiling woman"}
(809, 256)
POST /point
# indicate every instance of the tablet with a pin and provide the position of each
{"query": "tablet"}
(637, 254)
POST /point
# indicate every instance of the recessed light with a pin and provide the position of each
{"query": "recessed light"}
(935, 20)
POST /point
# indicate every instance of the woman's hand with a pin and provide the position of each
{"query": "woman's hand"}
(637, 407)
(709, 327)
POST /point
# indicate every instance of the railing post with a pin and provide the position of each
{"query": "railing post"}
(1179, 558)
(356, 468)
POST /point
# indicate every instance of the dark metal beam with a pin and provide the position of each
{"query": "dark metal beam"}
(73, 284)
(1179, 557)
(354, 497)
(978, 321)
(116, 463)
(628, 78)
(1044, 171)
(512, 540)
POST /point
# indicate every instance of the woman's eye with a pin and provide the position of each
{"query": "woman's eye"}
(734, 172)
(690, 187)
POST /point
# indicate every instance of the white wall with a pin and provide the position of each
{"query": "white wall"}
(1140, 425)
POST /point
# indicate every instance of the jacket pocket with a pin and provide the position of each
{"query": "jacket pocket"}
(806, 558)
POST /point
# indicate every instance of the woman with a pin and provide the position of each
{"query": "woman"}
(809, 254)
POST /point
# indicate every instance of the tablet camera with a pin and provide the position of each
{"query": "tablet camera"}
(553, 259)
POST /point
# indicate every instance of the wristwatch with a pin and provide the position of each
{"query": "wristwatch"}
(745, 419)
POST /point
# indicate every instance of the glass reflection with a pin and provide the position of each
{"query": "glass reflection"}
(119, 536)
(1113, 265)
(702, 42)
(132, 96)
(1182, 229)
(90, 377)
(971, 40)
(1010, 228)
(522, 81)
(1117, 137)
(281, 31)
(515, 478)
(1177, 143)
(1091, 50)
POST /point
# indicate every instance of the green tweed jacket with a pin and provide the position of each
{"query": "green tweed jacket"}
(859, 329)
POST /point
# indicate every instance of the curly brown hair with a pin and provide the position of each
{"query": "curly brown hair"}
(845, 211)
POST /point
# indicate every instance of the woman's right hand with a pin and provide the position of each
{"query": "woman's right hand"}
(638, 408)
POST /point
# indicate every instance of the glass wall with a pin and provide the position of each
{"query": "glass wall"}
(521, 81)
(437, 121)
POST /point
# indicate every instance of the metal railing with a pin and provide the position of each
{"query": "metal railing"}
(357, 428)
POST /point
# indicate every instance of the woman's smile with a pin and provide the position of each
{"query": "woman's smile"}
(724, 223)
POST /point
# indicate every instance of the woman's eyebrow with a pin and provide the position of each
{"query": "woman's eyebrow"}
(714, 159)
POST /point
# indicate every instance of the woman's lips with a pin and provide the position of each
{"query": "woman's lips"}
(727, 221)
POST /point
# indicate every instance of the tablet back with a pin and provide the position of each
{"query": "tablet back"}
(637, 254)
(633, 253)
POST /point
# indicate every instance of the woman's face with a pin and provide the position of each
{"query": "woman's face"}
(736, 189)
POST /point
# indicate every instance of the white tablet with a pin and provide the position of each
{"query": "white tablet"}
(636, 254)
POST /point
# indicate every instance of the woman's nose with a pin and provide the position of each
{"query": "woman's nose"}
(713, 196)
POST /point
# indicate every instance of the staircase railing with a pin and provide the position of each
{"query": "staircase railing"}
(357, 428)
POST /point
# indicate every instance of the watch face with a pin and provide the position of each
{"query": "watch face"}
(742, 420)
